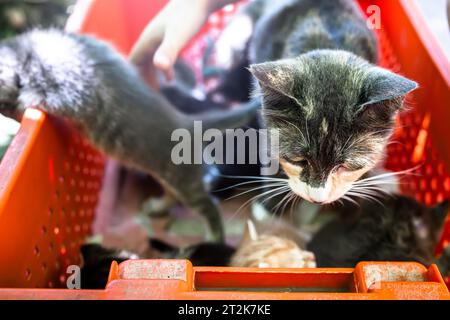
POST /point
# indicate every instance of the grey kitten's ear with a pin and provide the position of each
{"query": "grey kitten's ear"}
(382, 85)
(278, 76)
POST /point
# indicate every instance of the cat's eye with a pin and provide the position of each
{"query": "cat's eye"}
(298, 161)
(344, 168)
(341, 169)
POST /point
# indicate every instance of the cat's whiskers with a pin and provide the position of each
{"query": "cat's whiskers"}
(370, 193)
(288, 201)
(279, 190)
(276, 186)
(348, 198)
(283, 202)
(376, 183)
(255, 179)
(267, 199)
(239, 185)
(364, 196)
(372, 190)
(265, 186)
(373, 185)
(276, 207)
(294, 206)
(292, 201)
(384, 176)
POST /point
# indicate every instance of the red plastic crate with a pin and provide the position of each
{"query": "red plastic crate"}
(178, 280)
(50, 177)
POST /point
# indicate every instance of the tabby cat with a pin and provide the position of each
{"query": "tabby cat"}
(314, 62)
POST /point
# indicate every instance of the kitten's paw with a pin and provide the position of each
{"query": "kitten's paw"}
(308, 259)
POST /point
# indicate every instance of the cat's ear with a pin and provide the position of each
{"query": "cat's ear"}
(382, 85)
(278, 76)
(250, 232)
(440, 212)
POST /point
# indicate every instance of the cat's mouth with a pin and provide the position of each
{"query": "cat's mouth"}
(322, 195)
(319, 195)
(337, 185)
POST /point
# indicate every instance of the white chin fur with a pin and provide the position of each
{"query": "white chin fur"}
(322, 195)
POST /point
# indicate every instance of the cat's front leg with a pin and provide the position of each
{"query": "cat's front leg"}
(16, 109)
(9, 92)
(15, 99)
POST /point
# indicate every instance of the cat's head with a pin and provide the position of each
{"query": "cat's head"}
(335, 113)
(407, 230)
(270, 251)
(414, 225)
(9, 81)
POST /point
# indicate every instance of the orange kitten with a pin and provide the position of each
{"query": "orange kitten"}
(270, 251)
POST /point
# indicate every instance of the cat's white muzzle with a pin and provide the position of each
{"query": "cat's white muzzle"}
(322, 195)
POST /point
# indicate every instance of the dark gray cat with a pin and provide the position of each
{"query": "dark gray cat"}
(313, 60)
(399, 230)
(86, 81)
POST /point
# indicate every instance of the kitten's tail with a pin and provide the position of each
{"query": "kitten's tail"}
(238, 117)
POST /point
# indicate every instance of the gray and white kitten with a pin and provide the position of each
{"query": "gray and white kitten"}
(314, 64)
(85, 80)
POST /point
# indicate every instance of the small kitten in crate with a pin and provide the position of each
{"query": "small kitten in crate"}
(97, 258)
(270, 250)
(398, 229)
